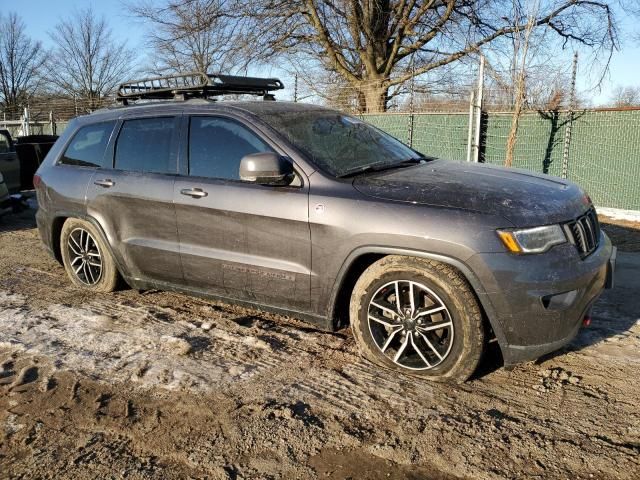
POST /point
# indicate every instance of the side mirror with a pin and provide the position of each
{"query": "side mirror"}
(266, 168)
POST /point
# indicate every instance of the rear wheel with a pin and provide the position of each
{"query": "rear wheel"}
(86, 258)
(419, 317)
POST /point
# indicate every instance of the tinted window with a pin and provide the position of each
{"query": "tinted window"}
(216, 146)
(144, 145)
(88, 145)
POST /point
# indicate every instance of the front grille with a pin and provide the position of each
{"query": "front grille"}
(584, 232)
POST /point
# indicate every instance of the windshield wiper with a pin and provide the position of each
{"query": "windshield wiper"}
(378, 167)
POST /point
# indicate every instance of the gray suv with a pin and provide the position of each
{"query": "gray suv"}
(310, 212)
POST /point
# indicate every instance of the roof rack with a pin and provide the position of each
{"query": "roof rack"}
(196, 85)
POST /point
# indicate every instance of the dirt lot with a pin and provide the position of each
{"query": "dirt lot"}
(161, 385)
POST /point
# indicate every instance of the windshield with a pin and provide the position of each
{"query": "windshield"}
(339, 144)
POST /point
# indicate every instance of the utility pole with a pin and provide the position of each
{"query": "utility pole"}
(295, 88)
(569, 124)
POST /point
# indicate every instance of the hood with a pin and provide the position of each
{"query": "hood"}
(522, 197)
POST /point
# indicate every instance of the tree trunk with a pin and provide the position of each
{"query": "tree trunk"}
(513, 134)
(375, 97)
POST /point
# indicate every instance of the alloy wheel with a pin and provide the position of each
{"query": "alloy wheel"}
(410, 325)
(84, 256)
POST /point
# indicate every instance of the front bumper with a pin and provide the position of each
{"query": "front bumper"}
(536, 303)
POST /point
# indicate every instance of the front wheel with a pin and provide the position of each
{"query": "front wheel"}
(417, 316)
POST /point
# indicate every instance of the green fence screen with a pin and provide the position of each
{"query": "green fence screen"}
(603, 151)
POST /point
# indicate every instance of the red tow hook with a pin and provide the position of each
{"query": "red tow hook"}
(586, 321)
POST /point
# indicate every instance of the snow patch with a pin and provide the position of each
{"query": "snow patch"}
(619, 214)
(112, 341)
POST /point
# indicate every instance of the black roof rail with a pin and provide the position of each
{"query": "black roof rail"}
(196, 85)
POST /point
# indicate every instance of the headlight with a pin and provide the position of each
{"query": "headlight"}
(532, 240)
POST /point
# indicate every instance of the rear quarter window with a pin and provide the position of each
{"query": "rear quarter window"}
(87, 147)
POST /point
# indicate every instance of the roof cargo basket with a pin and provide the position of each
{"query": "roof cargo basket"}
(196, 85)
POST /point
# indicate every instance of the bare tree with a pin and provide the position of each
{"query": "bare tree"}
(188, 35)
(625, 96)
(87, 62)
(377, 44)
(20, 59)
(521, 48)
(525, 68)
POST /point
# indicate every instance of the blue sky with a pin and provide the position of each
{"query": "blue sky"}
(41, 16)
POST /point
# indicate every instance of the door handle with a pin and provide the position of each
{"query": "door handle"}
(105, 183)
(194, 192)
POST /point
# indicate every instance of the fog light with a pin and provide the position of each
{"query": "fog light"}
(559, 301)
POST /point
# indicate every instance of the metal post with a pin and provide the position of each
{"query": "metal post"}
(26, 128)
(52, 125)
(569, 124)
(472, 99)
(412, 89)
(476, 143)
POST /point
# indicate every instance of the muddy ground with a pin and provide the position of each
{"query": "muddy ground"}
(161, 385)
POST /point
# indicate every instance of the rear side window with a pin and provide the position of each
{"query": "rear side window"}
(216, 146)
(144, 145)
(88, 145)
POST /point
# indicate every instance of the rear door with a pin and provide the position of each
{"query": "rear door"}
(239, 239)
(9, 165)
(67, 181)
(131, 197)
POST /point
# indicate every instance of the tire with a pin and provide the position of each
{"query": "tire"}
(81, 263)
(442, 338)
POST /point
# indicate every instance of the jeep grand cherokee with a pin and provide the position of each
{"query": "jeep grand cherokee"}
(310, 212)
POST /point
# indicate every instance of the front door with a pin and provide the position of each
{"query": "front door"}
(132, 198)
(239, 239)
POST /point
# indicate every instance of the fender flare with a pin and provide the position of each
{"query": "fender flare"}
(93, 221)
(469, 275)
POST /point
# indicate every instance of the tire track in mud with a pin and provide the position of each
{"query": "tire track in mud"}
(348, 388)
(96, 432)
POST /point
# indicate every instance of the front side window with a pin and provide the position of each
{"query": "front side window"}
(88, 145)
(216, 146)
(144, 145)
